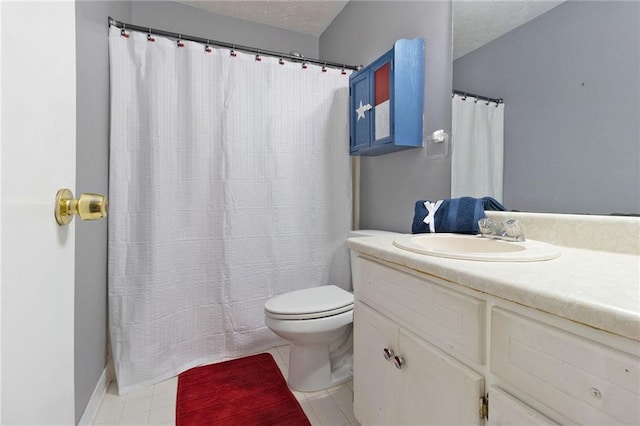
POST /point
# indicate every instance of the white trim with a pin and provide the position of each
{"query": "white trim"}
(94, 402)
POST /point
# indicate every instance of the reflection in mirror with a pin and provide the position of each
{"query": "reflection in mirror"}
(570, 81)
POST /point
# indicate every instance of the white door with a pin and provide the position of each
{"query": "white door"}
(37, 256)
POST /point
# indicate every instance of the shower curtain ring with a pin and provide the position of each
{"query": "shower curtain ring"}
(233, 50)
(258, 58)
(180, 42)
(123, 32)
(324, 67)
(150, 37)
(281, 61)
(207, 48)
(344, 71)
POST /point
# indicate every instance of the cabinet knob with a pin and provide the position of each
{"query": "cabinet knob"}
(388, 353)
(399, 362)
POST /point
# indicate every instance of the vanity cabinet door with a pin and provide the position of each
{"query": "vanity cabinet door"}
(583, 380)
(417, 385)
(435, 389)
(374, 377)
(505, 410)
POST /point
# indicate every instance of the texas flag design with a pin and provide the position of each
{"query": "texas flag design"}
(382, 103)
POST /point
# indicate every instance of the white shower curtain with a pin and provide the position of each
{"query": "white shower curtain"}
(229, 183)
(477, 148)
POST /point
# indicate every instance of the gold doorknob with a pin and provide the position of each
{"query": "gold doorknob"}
(89, 206)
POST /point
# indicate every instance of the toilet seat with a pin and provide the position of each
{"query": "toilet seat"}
(310, 303)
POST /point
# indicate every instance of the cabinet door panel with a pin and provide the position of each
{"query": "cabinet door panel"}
(582, 379)
(374, 378)
(360, 112)
(505, 410)
(382, 111)
(435, 389)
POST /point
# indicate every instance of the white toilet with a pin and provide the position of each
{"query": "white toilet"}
(318, 324)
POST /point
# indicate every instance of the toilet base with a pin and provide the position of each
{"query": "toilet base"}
(320, 351)
(310, 368)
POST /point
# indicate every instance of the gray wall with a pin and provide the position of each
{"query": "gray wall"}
(390, 184)
(92, 163)
(93, 146)
(176, 17)
(571, 83)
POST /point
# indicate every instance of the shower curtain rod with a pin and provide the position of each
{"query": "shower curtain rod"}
(482, 98)
(179, 36)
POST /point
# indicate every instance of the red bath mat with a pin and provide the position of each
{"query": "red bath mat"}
(244, 391)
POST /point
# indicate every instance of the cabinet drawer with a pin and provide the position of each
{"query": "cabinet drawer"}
(587, 382)
(452, 319)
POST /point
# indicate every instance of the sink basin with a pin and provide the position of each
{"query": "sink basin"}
(476, 247)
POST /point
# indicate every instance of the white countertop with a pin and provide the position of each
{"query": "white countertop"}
(597, 288)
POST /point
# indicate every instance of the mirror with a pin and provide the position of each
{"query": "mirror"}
(570, 80)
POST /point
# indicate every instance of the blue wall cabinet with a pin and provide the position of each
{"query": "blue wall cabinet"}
(386, 101)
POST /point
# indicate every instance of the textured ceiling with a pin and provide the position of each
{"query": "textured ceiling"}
(307, 17)
(475, 22)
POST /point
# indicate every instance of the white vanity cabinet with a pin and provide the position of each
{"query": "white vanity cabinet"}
(450, 349)
(401, 379)
(400, 376)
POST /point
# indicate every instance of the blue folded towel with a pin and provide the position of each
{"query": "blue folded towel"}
(459, 215)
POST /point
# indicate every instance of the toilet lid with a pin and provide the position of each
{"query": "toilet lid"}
(315, 302)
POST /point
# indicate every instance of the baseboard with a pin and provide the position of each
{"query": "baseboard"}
(95, 400)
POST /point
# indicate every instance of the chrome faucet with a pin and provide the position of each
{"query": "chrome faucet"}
(508, 231)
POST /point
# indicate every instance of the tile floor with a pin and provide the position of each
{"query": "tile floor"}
(156, 405)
